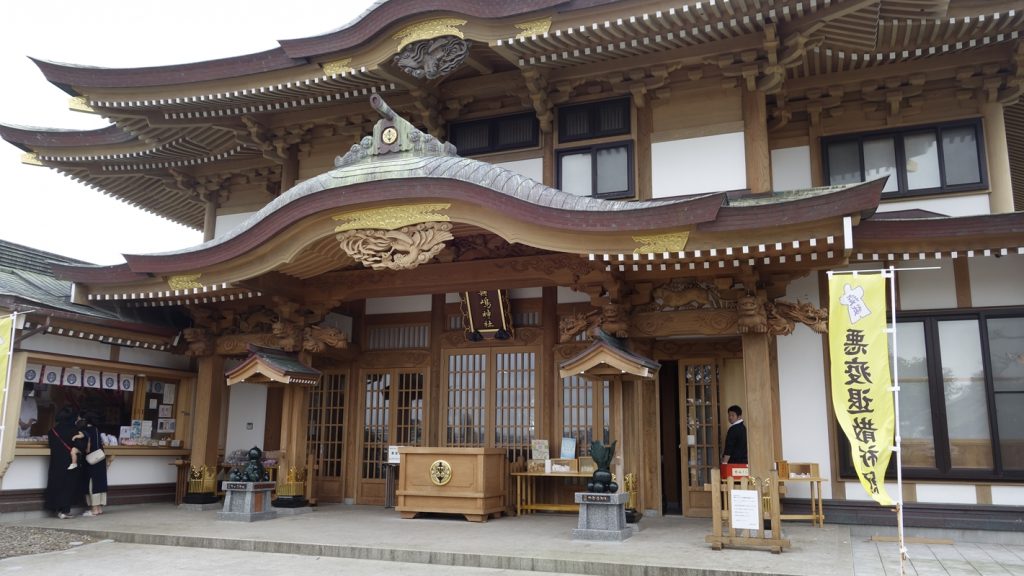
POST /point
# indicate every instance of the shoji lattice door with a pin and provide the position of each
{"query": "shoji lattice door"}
(585, 412)
(515, 384)
(376, 436)
(466, 403)
(698, 398)
(326, 436)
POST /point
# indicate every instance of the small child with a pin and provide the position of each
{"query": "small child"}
(75, 451)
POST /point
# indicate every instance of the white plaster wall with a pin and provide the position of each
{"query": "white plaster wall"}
(531, 168)
(997, 281)
(698, 165)
(398, 304)
(1008, 495)
(927, 289)
(522, 293)
(247, 406)
(791, 168)
(452, 298)
(66, 346)
(154, 358)
(802, 393)
(568, 296)
(227, 222)
(29, 472)
(947, 493)
(970, 205)
(854, 490)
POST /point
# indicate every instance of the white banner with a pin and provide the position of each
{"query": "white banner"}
(72, 377)
(109, 381)
(51, 375)
(91, 379)
(127, 382)
(33, 373)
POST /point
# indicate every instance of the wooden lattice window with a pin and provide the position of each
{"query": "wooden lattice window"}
(465, 413)
(375, 425)
(515, 391)
(409, 409)
(586, 412)
(327, 424)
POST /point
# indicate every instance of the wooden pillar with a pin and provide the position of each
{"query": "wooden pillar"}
(295, 421)
(814, 143)
(210, 218)
(209, 393)
(434, 423)
(758, 415)
(290, 169)
(755, 142)
(644, 127)
(550, 382)
(1000, 197)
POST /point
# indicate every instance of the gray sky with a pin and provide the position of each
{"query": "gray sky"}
(42, 208)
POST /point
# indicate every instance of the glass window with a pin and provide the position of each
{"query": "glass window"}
(495, 134)
(960, 155)
(1006, 354)
(918, 161)
(963, 378)
(879, 161)
(922, 161)
(575, 174)
(915, 399)
(612, 170)
(594, 120)
(604, 170)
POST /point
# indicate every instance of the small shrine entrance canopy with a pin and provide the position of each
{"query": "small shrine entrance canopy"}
(270, 366)
(607, 357)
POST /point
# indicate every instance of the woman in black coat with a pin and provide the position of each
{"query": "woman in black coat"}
(95, 477)
(63, 485)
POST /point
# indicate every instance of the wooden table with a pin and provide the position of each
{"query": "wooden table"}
(817, 515)
(526, 492)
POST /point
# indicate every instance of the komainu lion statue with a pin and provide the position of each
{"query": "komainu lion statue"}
(752, 318)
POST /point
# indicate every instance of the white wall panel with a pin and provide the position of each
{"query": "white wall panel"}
(531, 167)
(802, 392)
(1008, 495)
(997, 281)
(698, 165)
(791, 168)
(26, 473)
(971, 205)
(66, 346)
(947, 493)
(247, 407)
(398, 304)
(154, 358)
(926, 289)
(568, 295)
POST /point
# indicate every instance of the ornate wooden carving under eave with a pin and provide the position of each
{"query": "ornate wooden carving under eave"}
(433, 58)
(533, 28)
(751, 316)
(200, 342)
(683, 322)
(428, 107)
(893, 98)
(402, 249)
(537, 87)
(783, 316)
(642, 83)
(992, 82)
(394, 359)
(569, 350)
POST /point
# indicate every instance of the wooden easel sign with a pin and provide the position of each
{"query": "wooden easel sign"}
(744, 512)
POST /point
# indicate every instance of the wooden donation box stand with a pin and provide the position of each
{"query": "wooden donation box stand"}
(468, 481)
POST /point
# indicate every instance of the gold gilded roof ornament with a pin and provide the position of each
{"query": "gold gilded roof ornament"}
(80, 104)
(440, 472)
(533, 28)
(184, 281)
(31, 158)
(675, 242)
(427, 30)
(335, 67)
(392, 217)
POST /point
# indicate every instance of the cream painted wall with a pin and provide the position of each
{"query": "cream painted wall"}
(997, 281)
(398, 304)
(247, 407)
(947, 493)
(791, 168)
(927, 289)
(698, 165)
(1008, 495)
(154, 358)
(518, 293)
(854, 491)
(66, 346)
(802, 392)
(29, 472)
(531, 168)
(970, 205)
(227, 222)
(568, 296)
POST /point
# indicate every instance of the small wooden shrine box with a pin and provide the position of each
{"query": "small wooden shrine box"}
(476, 484)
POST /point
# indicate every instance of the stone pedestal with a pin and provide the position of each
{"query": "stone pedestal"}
(247, 501)
(602, 517)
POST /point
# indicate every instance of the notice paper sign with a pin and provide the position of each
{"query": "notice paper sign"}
(393, 456)
(745, 510)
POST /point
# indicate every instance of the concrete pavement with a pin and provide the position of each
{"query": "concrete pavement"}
(541, 543)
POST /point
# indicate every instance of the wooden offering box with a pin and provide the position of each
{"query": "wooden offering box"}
(476, 488)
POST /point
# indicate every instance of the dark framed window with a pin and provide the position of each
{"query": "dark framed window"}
(920, 160)
(961, 396)
(602, 170)
(495, 134)
(593, 120)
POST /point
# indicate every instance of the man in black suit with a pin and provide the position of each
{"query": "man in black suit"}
(736, 438)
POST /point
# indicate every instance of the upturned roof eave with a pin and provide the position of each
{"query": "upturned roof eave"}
(30, 138)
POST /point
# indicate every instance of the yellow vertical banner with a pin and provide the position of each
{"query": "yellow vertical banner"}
(6, 337)
(861, 386)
